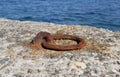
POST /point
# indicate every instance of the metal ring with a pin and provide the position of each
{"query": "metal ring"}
(48, 45)
(46, 40)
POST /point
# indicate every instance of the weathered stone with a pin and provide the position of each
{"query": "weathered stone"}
(76, 63)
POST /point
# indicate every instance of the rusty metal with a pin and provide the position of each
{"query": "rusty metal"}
(47, 41)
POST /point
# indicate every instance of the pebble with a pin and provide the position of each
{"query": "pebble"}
(4, 60)
(118, 62)
(77, 65)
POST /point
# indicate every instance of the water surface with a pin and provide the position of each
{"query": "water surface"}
(98, 13)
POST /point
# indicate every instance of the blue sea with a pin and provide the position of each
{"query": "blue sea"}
(98, 13)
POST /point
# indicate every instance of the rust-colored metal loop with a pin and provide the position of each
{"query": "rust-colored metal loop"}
(46, 40)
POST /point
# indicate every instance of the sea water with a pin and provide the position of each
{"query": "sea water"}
(98, 13)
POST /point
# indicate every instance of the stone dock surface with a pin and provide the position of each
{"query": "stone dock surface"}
(99, 58)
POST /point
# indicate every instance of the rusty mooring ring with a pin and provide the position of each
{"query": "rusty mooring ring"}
(46, 40)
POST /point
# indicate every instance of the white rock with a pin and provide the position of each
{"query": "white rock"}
(77, 65)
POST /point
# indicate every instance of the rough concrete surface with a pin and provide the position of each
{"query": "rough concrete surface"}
(99, 58)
